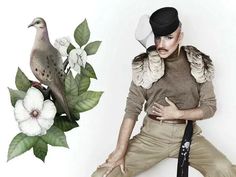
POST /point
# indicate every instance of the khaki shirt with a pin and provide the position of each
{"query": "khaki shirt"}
(178, 85)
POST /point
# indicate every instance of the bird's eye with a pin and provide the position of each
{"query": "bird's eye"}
(37, 22)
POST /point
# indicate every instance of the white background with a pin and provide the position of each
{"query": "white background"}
(209, 25)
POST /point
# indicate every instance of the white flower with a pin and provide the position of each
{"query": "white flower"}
(34, 115)
(61, 45)
(77, 58)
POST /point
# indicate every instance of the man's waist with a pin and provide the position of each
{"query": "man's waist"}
(169, 121)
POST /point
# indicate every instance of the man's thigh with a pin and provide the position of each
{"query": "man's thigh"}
(143, 152)
(208, 159)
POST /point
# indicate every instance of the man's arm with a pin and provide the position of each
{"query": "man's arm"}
(207, 104)
(206, 108)
(116, 158)
(134, 104)
(126, 129)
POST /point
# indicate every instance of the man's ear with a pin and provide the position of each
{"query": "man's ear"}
(181, 36)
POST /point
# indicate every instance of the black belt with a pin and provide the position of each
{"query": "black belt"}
(173, 121)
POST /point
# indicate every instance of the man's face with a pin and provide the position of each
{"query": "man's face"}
(166, 45)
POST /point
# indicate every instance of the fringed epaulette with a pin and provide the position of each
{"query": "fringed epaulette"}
(201, 65)
(147, 68)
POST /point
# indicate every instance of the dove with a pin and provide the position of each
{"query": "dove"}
(46, 63)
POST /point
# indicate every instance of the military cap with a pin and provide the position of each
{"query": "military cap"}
(164, 21)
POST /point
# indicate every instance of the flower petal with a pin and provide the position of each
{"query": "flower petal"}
(84, 58)
(77, 68)
(49, 110)
(43, 132)
(33, 99)
(21, 114)
(61, 45)
(71, 63)
(30, 127)
(45, 124)
(46, 117)
(77, 58)
(73, 57)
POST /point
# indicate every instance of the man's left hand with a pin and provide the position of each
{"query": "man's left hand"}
(166, 112)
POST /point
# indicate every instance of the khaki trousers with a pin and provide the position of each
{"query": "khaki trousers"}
(157, 141)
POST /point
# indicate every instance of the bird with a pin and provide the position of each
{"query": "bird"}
(46, 63)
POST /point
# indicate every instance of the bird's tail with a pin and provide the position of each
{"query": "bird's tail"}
(59, 93)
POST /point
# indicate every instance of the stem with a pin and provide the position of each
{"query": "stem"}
(66, 62)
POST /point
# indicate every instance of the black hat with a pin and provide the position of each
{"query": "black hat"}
(164, 21)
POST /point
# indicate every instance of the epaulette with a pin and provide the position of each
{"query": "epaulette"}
(201, 65)
(147, 68)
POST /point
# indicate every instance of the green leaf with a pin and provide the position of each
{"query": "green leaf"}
(16, 95)
(83, 83)
(22, 82)
(64, 123)
(88, 71)
(72, 100)
(55, 137)
(75, 115)
(82, 33)
(20, 144)
(40, 149)
(87, 101)
(70, 47)
(92, 47)
(70, 85)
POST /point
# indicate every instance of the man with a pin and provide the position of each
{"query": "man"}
(176, 85)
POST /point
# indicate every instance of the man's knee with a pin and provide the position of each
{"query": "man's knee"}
(222, 167)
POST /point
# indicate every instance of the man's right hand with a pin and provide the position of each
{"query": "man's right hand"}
(116, 158)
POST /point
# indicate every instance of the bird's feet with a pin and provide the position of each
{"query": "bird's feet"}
(45, 91)
(36, 84)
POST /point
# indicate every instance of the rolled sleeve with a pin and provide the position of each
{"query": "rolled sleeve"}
(207, 100)
(134, 102)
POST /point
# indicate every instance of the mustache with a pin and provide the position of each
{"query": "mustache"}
(162, 49)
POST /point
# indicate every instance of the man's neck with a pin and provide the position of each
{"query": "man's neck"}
(174, 54)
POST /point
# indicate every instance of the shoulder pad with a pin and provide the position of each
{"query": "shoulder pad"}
(201, 65)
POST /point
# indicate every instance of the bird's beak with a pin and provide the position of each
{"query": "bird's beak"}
(31, 24)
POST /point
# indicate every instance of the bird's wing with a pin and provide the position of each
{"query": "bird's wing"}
(46, 66)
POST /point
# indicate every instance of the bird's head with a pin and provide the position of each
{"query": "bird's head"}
(38, 23)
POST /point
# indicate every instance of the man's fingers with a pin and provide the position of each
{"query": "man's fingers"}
(169, 102)
(157, 113)
(122, 168)
(161, 118)
(156, 109)
(108, 172)
(158, 105)
(105, 165)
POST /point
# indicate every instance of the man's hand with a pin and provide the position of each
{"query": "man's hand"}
(166, 112)
(116, 158)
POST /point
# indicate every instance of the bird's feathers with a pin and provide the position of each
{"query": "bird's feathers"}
(47, 66)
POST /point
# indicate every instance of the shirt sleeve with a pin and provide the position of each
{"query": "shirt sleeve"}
(207, 100)
(134, 102)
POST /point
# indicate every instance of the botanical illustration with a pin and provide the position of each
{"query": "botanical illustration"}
(48, 107)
